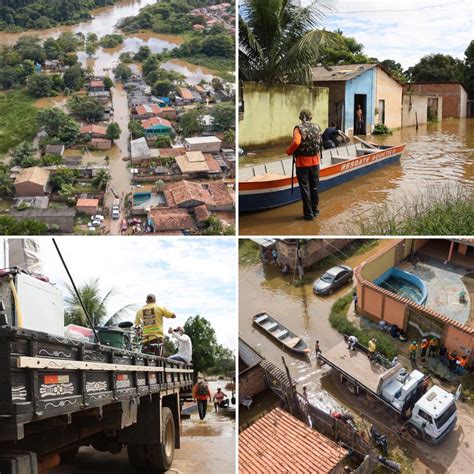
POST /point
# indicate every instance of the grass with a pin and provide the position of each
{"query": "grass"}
(468, 389)
(338, 320)
(218, 64)
(17, 119)
(441, 210)
(249, 252)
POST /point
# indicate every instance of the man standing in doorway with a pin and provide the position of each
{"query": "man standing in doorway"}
(359, 121)
(305, 149)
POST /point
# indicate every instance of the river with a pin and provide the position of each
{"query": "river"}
(265, 288)
(436, 154)
(104, 22)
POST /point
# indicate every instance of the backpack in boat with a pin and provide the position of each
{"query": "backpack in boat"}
(202, 389)
(310, 139)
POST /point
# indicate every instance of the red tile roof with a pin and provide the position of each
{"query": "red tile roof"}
(279, 442)
(182, 192)
(220, 195)
(212, 164)
(96, 129)
(201, 213)
(83, 202)
(170, 219)
(155, 121)
(186, 94)
(147, 109)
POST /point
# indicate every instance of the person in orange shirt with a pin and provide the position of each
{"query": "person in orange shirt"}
(202, 393)
(305, 149)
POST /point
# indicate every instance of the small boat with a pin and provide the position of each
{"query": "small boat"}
(268, 185)
(284, 336)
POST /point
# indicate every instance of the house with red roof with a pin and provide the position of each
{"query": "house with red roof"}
(95, 131)
(156, 126)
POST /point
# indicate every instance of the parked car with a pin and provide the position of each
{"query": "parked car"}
(97, 217)
(115, 213)
(95, 223)
(333, 279)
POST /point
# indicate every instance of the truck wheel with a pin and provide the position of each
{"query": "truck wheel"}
(352, 388)
(160, 456)
(137, 455)
(415, 431)
(69, 455)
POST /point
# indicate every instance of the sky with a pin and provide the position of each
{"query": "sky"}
(188, 275)
(428, 26)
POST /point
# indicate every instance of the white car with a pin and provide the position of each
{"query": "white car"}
(96, 223)
(115, 213)
(97, 217)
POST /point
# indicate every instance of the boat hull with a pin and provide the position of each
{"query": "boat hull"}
(259, 196)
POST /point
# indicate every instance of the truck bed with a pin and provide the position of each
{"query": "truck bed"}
(44, 376)
(355, 364)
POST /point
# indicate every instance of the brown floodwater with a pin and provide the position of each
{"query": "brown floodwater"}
(105, 59)
(435, 155)
(265, 288)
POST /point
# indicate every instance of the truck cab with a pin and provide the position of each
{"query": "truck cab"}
(433, 416)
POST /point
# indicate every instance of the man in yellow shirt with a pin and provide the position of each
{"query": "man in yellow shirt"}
(150, 318)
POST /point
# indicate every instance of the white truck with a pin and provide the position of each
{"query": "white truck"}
(430, 413)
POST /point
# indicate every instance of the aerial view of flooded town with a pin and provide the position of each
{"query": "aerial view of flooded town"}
(118, 120)
(389, 103)
(356, 353)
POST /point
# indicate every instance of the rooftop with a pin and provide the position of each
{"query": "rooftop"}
(199, 140)
(96, 83)
(192, 162)
(147, 109)
(182, 192)
(278, 440)
(152, 122)
(220, 194)
(170, 219)
(340, 73)
(201, 213)
(83, 202)
(54, 150)
(35, 174)
(97, 129)
(185, 93)
(139, 148)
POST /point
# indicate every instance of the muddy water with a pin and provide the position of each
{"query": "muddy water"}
(265, 288)
(436, 154)
(104, 22)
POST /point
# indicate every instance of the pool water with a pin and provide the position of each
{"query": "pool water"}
(403, 288)
(141, 198)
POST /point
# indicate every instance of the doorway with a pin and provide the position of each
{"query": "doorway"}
(360, 127)
(381, 112)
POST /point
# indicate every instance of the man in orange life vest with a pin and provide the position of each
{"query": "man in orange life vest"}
(305, 148)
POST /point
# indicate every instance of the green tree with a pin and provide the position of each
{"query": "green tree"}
(52, 49)
(111, 40)
(216, 227)
(50, 160)
(142, 53)
(190, 123)
(162, 88)
(394, 68)
(69, 42)
(108, 83)
(136, 129)
(101, 179)
(113, 131)
(11, 226)
(469, 69)
(223, 115)
(203, 338)
(23, 155)
(7, 189)
(343, 50)
(95, 303)
(122, 72)
(437, 68)
(163, 141)
(218, 45)
(61, 177)
(126, 58)
(229, 137)
(74, 77)
(279, 41)
(224, 362)
(40, 85)
(58, 125)
(86, 108)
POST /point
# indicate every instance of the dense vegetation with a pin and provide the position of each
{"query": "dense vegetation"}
(17, 15)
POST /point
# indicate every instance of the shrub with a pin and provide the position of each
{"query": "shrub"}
(381, 129)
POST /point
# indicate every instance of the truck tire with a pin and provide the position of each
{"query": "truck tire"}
(156, 457)
(160, 456)
(415, 431)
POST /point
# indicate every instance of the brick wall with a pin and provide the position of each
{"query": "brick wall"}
(251, 381)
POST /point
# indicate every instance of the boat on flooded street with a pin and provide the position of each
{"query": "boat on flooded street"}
(269, 185)
(280, 333)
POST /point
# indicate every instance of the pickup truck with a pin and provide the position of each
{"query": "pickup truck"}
(430, 414)
(57, 394)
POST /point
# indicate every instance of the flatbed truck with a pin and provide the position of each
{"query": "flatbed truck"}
(430, 414)
(57, 394)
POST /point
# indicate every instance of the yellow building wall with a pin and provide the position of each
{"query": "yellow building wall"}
(271, 112)
(391, 91)
(379, 265)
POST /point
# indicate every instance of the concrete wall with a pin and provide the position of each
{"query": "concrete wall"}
(454, 96)
(271, 113)
(390, 91)
(414, 106)
(252, 381)
(364, 84)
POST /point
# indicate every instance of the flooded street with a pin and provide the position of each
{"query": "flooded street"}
(265, 288)
(437, 154)
(206, 446)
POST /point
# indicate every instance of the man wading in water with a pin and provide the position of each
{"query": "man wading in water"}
(305, 149)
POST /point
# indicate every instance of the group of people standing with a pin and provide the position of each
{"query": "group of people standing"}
(202, 394)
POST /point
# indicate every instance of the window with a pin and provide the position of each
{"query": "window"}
(425, 416)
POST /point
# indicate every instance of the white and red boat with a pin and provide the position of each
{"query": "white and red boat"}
(269, 185)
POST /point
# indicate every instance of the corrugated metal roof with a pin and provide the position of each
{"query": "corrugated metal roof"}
(248, 356)
(340, 73)
(279, 442)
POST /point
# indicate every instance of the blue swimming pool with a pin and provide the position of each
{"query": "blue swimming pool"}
(141, 198)
(404, 284)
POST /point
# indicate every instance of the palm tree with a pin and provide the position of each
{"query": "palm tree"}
(95, 304)
(101, 179)
(279, 42)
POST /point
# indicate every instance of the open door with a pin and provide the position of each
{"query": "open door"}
(360, 127)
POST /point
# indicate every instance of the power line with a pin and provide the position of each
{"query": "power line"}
(401, 10)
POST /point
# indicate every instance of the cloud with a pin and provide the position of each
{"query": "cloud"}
(387, 32)
(188, 275)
